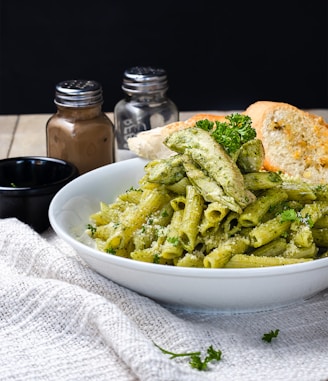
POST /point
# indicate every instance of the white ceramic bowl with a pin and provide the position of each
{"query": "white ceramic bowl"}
(224, 290)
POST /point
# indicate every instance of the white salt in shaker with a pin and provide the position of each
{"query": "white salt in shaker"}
(145, 106)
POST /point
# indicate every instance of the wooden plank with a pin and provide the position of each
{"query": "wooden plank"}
(7, 129)
(30, 136)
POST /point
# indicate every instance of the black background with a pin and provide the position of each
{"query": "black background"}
(218, 54)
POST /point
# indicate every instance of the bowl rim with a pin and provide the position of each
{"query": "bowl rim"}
(47, 186)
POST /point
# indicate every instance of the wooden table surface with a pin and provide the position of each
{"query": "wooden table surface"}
(23, 135)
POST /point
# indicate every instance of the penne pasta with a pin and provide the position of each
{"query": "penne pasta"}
(172, 247)
(250, 157)
(256, 181)
(200, 209)
(220, 256)
(247, 261)
(179, 187)
(275, 248)
(253, 213)
(268, 231)
(191, 218)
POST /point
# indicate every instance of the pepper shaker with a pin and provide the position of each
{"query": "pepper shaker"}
(80, 132)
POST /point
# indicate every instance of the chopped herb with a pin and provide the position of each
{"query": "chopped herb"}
(232, 134)
(269, 336)
(92, 229)
(173, 240)
(156, 258)
(274, 177)
(13, 185)
(284, 235)
(288, 215)
(320, 188)
(157, 233)
(110, 250)
(196, 361)
(165, 213)
(132, 188)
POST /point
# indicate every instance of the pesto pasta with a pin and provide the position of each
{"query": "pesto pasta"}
(203, 207)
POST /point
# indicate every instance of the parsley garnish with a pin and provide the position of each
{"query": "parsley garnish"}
(173, 240)
(132, 188)
(92, 229)
(269, 336)
(232, 134)
(288, 215)
(165, 213)
(110, 250)
(196, 361)
(156, 258)
(292, 215)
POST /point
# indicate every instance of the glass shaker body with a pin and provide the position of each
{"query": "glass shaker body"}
(81, 134)
(144, 107)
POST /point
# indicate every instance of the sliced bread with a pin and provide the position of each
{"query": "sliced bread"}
(295, 141)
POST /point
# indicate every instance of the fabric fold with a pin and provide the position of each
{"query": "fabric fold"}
(60, 320)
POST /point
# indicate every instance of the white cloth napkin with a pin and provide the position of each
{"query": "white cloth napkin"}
(60, 320)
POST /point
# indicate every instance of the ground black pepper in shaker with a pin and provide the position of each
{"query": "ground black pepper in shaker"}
(80, 132)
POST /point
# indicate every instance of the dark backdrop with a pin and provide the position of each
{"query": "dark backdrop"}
(218, 54)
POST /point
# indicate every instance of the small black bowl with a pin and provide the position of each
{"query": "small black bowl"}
(28, 184)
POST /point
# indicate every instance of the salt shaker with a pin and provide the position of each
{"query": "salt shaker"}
(80, 132)
(145, 106)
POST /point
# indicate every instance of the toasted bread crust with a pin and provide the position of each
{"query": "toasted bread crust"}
(295, 141)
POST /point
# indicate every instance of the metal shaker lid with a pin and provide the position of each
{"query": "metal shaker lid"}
(78, 93)
(144, 79)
